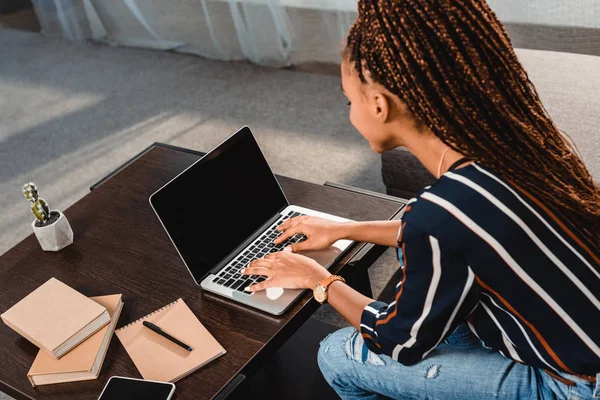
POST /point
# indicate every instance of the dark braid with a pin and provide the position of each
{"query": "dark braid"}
(452, 63)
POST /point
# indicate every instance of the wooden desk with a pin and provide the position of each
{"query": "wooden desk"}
(121, 247)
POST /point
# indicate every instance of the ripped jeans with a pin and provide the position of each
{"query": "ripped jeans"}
(461, 368)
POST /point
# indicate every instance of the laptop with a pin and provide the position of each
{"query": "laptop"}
(221, 213)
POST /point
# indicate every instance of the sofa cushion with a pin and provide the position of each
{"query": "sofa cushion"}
(403, 174)
(568, 85)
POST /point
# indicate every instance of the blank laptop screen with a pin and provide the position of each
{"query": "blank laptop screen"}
(217, 203)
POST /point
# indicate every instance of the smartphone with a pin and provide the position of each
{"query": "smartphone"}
(122, 388)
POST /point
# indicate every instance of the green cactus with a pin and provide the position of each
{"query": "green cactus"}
(39, 206)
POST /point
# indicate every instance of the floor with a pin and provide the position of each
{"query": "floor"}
(72, 113)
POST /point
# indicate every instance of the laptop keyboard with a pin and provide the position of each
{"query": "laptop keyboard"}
(231, 277)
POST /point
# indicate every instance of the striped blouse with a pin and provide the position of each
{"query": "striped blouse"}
(479, 249)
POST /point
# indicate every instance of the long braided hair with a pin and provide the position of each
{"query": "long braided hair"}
(452, 63)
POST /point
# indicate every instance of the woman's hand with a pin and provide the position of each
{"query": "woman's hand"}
(286, 270)
(321, 233)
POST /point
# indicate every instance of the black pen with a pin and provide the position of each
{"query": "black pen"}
(156, 329)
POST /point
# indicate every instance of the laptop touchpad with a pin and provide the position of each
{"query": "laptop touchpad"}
(273, 293)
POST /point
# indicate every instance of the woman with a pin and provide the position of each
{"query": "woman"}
(500, 294)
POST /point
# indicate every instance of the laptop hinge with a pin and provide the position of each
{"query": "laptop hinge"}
(245, 244)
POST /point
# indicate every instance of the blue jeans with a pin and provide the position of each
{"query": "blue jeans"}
(461, 368)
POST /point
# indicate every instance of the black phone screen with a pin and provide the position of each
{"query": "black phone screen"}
(135, 389)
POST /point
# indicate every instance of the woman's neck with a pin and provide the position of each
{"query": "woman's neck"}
(430, 151)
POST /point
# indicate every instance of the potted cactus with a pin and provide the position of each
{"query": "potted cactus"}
(50, 227)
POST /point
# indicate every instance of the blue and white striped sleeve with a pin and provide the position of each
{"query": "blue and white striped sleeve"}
(436, 293)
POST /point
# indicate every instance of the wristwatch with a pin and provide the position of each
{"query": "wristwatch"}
(320, 291)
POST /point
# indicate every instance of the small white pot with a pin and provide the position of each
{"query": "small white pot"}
(56, 236)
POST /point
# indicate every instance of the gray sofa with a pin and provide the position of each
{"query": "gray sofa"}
(569, 86)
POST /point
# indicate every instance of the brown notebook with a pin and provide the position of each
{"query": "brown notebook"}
(159, 359)
(56, 318)
(84, 361)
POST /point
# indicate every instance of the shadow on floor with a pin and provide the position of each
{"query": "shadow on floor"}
(293, 372)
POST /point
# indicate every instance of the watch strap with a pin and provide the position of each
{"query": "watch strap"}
(324, 284)
(328, 281)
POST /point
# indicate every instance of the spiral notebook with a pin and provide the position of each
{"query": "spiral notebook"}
(158, 358)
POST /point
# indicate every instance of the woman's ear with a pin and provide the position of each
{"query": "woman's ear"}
(381, 103)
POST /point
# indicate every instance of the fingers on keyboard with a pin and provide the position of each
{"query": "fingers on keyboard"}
(231, 277)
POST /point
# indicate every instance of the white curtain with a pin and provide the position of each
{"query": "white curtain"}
(558, 13)
(269, 32)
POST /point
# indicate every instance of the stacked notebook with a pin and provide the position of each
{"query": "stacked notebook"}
(72, 331)
(84, 361)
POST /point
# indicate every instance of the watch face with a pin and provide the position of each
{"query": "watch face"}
(320, 294)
